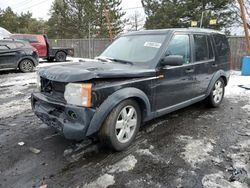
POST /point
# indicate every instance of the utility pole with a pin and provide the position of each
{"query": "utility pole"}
(108, 21)
(243, 16)
(202, 15)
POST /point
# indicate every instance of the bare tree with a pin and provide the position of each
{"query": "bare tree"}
(236, 9)
(135, 22)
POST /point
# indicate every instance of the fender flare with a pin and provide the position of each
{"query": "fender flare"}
(216, 76)
(107, 106)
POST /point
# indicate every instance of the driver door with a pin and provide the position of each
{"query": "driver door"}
(176, 84)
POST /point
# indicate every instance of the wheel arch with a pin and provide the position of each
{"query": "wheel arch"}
(113, 100)
(219, 74)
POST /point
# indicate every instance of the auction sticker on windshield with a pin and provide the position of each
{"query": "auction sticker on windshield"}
(152, 44)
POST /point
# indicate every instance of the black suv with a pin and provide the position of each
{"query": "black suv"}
(140, 76)
(16, 54)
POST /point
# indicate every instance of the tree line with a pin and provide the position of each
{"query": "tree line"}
(84, 18)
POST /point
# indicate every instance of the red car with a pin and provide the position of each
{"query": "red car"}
(40, 42)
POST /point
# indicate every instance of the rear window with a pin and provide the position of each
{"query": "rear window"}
(221, 44)
(29, 38)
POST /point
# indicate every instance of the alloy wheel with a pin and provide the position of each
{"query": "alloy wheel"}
(126, 124)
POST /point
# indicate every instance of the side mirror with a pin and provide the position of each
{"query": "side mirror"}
(172, 60)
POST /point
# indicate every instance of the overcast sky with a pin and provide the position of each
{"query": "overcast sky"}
(40, 8)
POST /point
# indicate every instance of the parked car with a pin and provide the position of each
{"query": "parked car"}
(45, 51)
(16, 54)
(140, 76)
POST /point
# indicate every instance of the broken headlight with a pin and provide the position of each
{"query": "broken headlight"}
(78, 94)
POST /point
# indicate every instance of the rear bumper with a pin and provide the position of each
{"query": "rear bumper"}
(70, 120)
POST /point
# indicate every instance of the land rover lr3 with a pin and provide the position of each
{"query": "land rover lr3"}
(140, 76)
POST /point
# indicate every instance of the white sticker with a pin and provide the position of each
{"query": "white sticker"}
(152, 44)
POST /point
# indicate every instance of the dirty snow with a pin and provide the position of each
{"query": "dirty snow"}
(102, 182)
(233, 90)
(218, 180)
(196, 150)
(126, 164)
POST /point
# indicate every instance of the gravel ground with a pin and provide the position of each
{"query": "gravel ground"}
(193, 147)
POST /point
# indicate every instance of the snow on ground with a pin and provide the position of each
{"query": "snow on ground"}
(196, 151)
(126, 164)
(218, 180)
(233, 90)
(101, 182)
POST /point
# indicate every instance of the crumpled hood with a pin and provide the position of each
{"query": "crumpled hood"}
(81, 71)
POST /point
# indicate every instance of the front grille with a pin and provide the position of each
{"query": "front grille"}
(53, 89)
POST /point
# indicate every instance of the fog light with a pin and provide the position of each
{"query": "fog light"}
(72, 114)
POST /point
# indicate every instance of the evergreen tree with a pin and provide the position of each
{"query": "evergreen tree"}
(60, 23)
(180, 13)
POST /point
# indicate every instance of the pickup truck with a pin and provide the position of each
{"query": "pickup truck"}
(45, 51)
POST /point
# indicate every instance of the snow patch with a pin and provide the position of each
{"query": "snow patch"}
(126, 164)
(218, 180)
(102, 182)
(196, 150)
(241, 157)
(233, 90)
(246, 107)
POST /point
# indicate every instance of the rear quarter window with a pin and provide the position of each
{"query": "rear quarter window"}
(221, 45)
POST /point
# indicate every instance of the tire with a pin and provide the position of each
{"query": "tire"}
(217, 94)
(26, 65)
(121, 125)
(60, 56)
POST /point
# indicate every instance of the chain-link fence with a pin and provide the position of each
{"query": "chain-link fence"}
(89, 48)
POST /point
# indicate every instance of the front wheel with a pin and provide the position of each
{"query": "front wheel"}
(216, 96)
(121, 125)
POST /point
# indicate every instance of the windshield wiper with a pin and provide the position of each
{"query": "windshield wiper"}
(110, 59)
(121, 61)
(104, 59)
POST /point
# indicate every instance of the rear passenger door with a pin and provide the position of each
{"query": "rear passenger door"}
(8, 55)
(204, 60)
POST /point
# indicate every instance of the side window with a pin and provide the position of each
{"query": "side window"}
(221, 44)
(3, 47)
(11, 45)
(210, 48)
(203, 48)
(180, 45)
(31, 39)
(19, 44)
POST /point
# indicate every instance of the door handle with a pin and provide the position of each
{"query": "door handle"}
(189, 70)
(214, 65)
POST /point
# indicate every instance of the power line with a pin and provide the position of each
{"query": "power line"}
(20, 3)
(33, 5)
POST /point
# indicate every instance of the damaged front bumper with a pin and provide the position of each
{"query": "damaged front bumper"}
(71, 120)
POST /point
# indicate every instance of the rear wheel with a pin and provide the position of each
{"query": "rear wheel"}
(60, 56)
(216, 96)
(121, 125)
(26, 65)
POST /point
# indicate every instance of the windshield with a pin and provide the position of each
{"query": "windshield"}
(135, 48)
